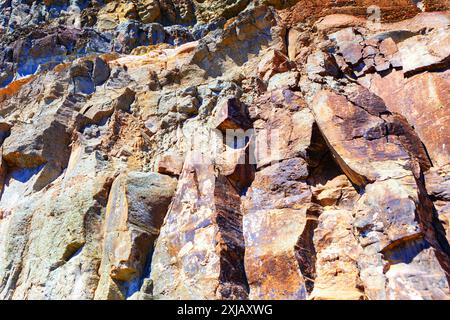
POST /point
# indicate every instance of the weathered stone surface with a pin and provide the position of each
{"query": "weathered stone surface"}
(44, 142)
(349, 43)
(354, 135)
(337, 253)
(414, 265)
(200, 256)
(135, 212)
(103, 104)
(304, 10)
(66, 220)
(283, 124)
(271, 266)
(171, 164)
(277, 201)
(423, 101)
(236, 149)
(231, 114)
(339, 21)
(437, 184)
(424, 52)
(398, 217)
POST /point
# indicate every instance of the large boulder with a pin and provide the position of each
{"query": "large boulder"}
(137, 205)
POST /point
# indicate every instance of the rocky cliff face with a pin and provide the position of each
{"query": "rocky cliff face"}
(187, 149)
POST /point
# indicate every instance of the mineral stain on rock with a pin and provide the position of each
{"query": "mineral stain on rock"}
(239, 149)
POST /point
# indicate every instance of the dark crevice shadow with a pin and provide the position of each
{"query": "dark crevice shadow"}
(405, 250)
(432, 227)
(23, 175)
(306, 255)
(322, 168)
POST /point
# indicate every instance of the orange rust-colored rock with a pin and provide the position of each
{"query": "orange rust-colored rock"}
(201, 256)
(423, 100)
(226, 149)
(337, 270)
(313, 10)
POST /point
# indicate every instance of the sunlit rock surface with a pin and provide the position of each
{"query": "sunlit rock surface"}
(244, 149)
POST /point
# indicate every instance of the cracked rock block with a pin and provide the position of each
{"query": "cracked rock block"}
(137, 205)
(320, 64)
(424, 101)
(44, 142)
(283, 80)
(271, 266)
(384, 217)
(354, 135)
(424, 52)
(337, 253)
(273, 62)
(393, 207)
(275, 217)
(231, 114)
(200, 251)
(414, 273)
(337, 191)
(148, 11)
(104, 102)
(283, 126)
(388, 215)
(349, 45)
(5, 128)
(67, 220)
(437, 182)
(171, 164)
(280, 264)
(100, 71)
(297, 43)
(250, 32)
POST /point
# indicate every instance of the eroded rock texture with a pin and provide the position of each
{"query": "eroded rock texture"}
(244, 149)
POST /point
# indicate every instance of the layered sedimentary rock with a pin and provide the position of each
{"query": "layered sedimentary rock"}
(164, 149)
